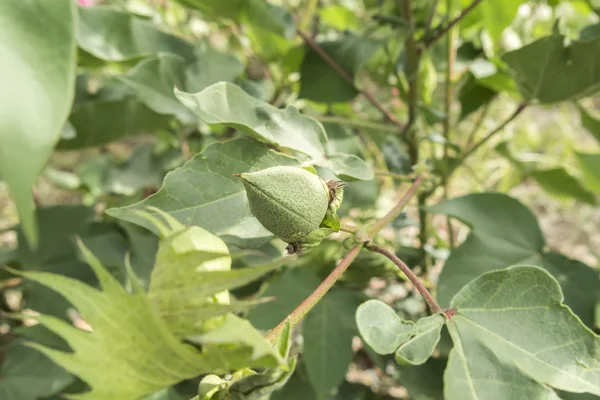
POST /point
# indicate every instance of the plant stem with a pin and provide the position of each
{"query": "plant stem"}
(442, 31)
(348, 229)
(308, 303)
(477, 125)
(450, 59)
(344, 74)
(376, 126)
(431, 15)
(413, 60)
(393, 175)
(433, 305)
(398, 208)
(487, 137)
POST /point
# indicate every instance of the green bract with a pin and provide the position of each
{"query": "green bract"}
(292, 203)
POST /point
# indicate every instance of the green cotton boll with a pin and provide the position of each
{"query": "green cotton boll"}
(290, 202)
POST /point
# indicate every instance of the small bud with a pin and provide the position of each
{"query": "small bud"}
(290, 202)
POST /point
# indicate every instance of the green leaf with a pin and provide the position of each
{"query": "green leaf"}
(255, 12)
(103, 121)
(386, 333)
(473, 95)
(590, 168)
(153, 79)
(513, 336)
(504, 233)
(498, 15)
(27, 374)
(328, 331)
(381, 327)
(227, 104)
(297, 388)
(205, 193)
(112, 35)
(590, 122)
(288, 291)
(560, 183)
(320, 82)
(155, 359)
(37, 48)
(138, 172)
(190, 281)
(549, 72)
(555, 181)
(420, 347)
(424, 382)
(339, 17)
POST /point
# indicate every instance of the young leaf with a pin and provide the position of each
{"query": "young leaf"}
(205, 193)
(549, 72)
(320, 82)
(155, 359)
(504, 232)
(386, 333)
(328, 332)
(112, 35)
(37, 49)
(512, 336)
(589, 122)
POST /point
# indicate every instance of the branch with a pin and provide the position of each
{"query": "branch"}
(347, 77)
(321, 290)
(398, 208)
(358, 123)
(413, 61)
(499, 128)
(442, 31)
(433, 305)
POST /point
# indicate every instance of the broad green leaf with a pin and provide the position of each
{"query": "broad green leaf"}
(191, 277)
(513, 336)
(328, 331)
(549, 72)
(320, 82)
(205, 193)
(28, 374)
(37, 48)
(473, 96)
(297, 388)
(381, 327)
(255, 12)
(155, 359)
(112, 35)
(590, 122)
(349, 167)
(288, 291)
(99, 122)
(555, 181)
(155, 78)
(424, 382)
(558, 182)
(339, 17)
(498, 15)
(504, 233)
(227, 104)
(590, 168)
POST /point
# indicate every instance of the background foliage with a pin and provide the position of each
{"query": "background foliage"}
(132, 267)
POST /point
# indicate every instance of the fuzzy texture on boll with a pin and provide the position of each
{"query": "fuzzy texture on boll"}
(289, 201)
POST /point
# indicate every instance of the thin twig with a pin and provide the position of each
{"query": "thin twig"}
(413, 61)
(308, 303)
(431, 15)
(477, 125)
(312, 299)
(433, 305)
(487, 137)
(398, 208)
(450, 58)
(442, 31)
(347, 77)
